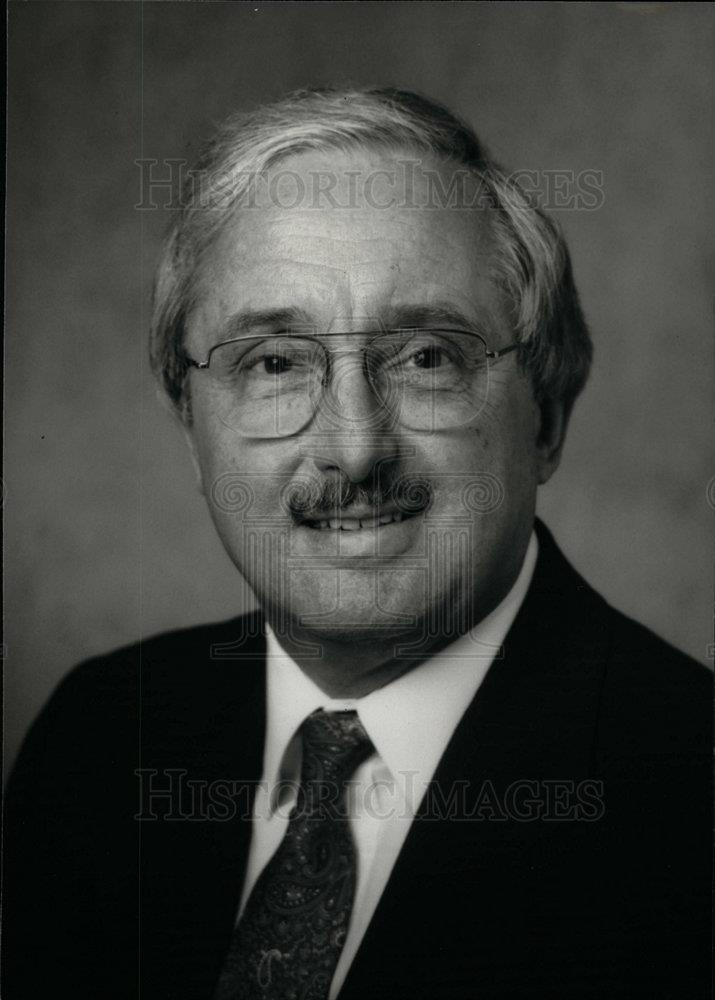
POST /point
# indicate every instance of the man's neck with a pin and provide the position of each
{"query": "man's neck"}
(345, 668)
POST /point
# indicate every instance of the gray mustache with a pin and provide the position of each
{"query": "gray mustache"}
(409, 494)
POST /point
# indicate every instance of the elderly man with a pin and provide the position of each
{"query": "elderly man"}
(435, 764)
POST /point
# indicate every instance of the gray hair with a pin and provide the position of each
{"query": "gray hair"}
(531, 263)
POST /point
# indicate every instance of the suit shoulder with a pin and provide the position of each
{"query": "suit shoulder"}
(643, 657)
(175, 648)
(652, 698)
(635, 656)
(655, 698)
(103, 698)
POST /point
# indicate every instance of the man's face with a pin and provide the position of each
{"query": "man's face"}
(465, 493)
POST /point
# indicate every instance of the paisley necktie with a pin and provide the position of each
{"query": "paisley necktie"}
(288, 941)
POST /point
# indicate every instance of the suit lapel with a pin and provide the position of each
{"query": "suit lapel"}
(455, 902)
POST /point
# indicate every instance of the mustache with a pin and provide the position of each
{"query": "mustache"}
(407, 493)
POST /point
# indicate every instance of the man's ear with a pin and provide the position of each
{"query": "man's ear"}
(182, 417)
(187, 430)
(553, 421)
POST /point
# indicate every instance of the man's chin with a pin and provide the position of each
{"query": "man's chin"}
(354, 618)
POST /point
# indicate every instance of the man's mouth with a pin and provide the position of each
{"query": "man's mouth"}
(354, 519)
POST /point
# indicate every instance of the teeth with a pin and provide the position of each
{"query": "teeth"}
(356, 524)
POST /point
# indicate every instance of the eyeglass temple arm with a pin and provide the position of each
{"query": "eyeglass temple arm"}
(495, 355)
(192, 363)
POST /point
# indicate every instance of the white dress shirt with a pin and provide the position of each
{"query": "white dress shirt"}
(410, 722)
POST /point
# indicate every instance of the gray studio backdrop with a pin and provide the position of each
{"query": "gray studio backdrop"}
(107, 535)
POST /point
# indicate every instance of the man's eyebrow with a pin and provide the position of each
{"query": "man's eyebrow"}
(437, 314)
(261, 321)
(258, 321)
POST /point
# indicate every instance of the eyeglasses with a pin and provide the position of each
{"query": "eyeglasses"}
(425, 379)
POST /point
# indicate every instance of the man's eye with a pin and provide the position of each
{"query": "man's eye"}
(429, 357)
(275, 364)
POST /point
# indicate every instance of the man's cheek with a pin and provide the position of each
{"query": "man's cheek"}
(244, 508)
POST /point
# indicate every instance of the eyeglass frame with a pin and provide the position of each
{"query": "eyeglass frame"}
(489, 354)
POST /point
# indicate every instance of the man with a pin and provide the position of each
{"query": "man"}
(435, 764)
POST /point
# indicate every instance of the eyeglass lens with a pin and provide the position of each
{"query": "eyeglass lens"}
(421, 379)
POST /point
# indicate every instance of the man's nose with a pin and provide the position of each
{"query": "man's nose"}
(353, 428)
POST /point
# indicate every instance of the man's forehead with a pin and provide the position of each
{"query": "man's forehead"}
(313, 251)
(348, 260)
(311, 281)
(374, 210)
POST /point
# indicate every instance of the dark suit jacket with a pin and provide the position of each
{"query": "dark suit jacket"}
(604, 894)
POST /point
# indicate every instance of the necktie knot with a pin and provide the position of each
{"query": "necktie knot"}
(334, 745)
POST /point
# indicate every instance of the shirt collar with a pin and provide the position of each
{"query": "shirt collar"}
(410, 720)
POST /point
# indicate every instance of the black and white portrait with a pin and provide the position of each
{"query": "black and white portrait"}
(357, 495)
